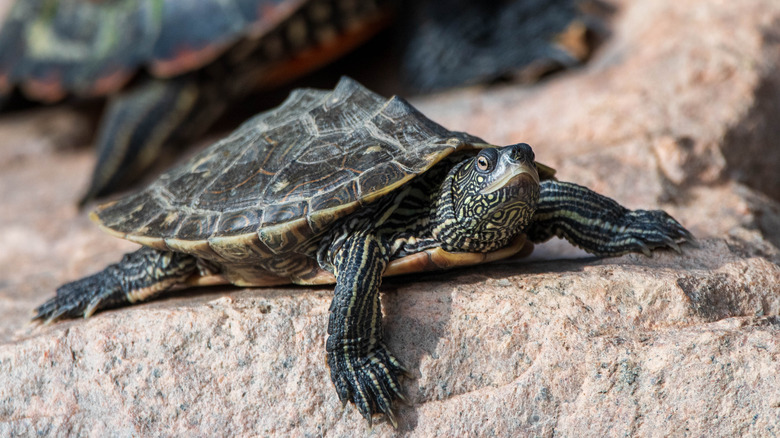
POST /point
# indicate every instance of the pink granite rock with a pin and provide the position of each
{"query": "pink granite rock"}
(672, 108)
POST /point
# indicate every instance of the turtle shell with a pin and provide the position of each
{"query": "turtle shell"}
(54, 47)
(285, 175)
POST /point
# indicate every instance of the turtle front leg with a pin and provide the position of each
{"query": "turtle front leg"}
(600, 225)
(139, 276)
(361, 367)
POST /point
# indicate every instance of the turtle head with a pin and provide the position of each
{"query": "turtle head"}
(491, 198)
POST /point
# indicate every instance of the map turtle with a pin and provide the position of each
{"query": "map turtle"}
(344, 187)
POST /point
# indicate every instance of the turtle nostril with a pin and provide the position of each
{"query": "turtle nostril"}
(521, 152)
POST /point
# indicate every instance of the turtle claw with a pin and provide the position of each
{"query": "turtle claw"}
(403, 400)
(391, 417)
(644, 248)
(49, 312)
(139, 276)
(655, 229)
(81, 297)
(55, 317)
(665, 240)
(369, 381)
(93, 306)
(42, 312)
(687, 237)
(672, 244)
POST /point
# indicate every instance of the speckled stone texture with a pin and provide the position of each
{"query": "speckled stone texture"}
(675, 112)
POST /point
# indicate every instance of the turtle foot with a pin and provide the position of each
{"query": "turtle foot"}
(80, 297)
(646, 230)
(139, 276)
(599, 225)
(369, 381)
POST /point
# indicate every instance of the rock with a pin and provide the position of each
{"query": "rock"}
(670, 345)
(627, 344)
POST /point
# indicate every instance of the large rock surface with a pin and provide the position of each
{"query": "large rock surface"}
(678, 111)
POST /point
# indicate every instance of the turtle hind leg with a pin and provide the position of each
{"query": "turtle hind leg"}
(600, 225)
(139, 276)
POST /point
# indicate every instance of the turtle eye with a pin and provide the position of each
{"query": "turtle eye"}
(484, 162)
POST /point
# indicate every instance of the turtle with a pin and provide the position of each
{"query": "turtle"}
(170, 67)
(455, 42)
(344, 187)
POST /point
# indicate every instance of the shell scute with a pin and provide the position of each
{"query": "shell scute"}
(233, 249)
(183, 185)
(401, 124)
(240, 249)
(298, 103)
(197, 226)
(364, 152)
(285, 237)
(281, 213)
(324, 209)
(164, 224)
(250, 161)
(351, 93)
(379, 180)
(232, 223)
(348, 106)
(341, 112)
(322, 149)
(199, 248)
(137, 210)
